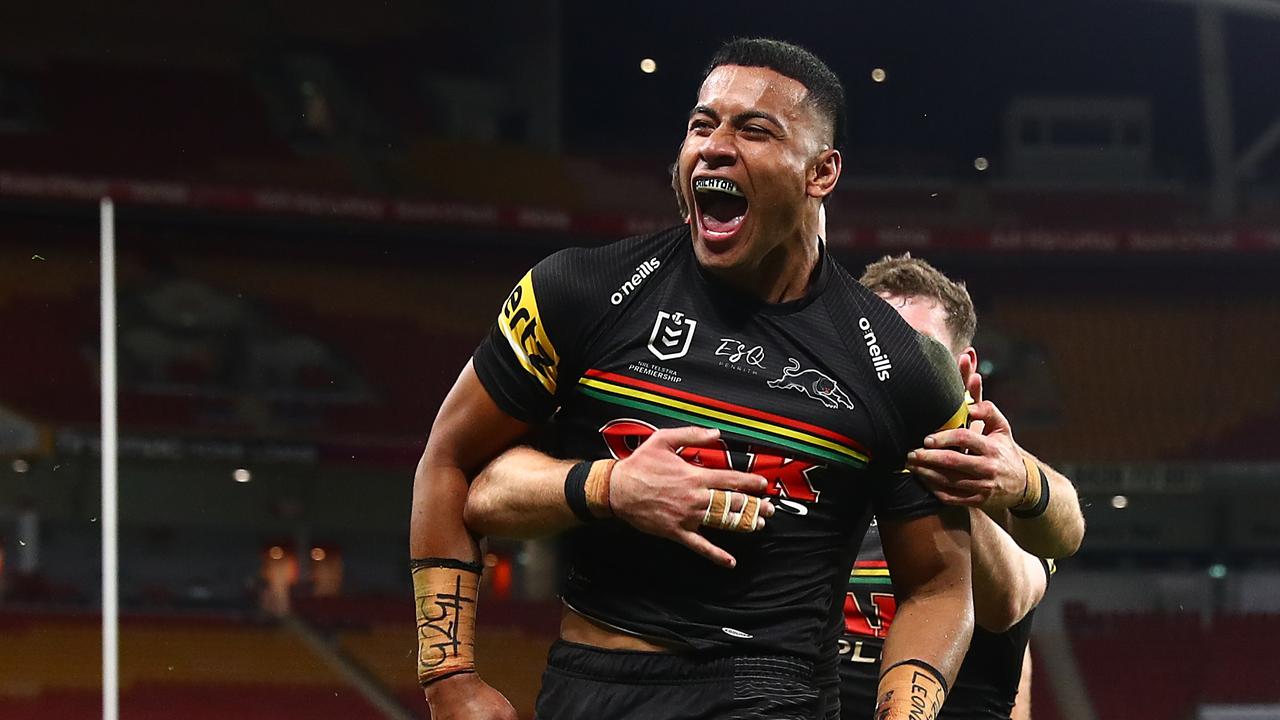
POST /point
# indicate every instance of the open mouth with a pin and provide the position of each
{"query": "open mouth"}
(721, 207)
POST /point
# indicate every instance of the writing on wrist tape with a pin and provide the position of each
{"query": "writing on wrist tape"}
(910, 690)
(444, 595)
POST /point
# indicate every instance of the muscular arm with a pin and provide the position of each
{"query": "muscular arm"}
(930, 563)
(1007, 581)
(984, 469)
(1060, 530)
(521, 493)
(469, 430)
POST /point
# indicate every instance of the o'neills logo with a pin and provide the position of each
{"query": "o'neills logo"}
(644, 270)
(879, 360)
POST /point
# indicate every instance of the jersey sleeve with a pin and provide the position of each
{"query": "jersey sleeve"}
(533, 339)
(930, 397)
(901, 496)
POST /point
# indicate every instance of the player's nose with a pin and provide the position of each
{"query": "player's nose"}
(720, 148)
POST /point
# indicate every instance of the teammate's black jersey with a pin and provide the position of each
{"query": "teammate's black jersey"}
(823, 396)
(987, 683)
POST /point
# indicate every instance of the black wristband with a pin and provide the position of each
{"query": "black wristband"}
(453, 563)
(1041, 505)
(923, 666)
(575, 491)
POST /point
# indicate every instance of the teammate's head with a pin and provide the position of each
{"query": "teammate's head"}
(932, 303)
(759, 154)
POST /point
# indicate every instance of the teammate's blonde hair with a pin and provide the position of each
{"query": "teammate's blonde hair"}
(909, 276)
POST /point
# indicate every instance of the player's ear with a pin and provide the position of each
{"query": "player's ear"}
(825, 173)
(968, 359)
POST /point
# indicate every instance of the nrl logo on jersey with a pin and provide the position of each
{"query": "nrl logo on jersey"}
(813, 383)
(671, 335)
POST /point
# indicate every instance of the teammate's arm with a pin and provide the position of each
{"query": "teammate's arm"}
(1060, 530)
(1008, 582)
(929, 559)
(988, 470)
(468, 430)
(524, 493)
(520, 495)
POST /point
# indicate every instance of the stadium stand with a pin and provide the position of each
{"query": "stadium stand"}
(346, 380)
(268, 177)
(89, 126)
(1172, 661)
(338, 364)
(201, 668)
(1211, 358)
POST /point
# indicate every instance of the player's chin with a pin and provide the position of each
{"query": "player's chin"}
(721, 248)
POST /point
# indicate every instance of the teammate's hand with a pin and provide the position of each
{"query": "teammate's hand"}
(657, 492)
(975, 468)
(467, 697)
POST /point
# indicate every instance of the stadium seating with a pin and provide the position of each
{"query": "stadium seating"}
(354, 193)
(1238, 668)
(1172, 662)
(201, 668)
(1102, 352)
(91, 125)
(398, 334)
(215, 667)
(1143, 645)
(386, 325)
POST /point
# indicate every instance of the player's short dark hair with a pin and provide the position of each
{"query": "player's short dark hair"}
(908, 276)
(825, 91)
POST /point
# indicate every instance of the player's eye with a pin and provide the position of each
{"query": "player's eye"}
(700, 126)
(756, 132)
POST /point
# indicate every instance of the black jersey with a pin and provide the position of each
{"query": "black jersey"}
(986, 685)
(823, 396)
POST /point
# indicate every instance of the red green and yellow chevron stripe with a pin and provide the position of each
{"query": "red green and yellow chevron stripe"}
(708, 412)
(870, 572)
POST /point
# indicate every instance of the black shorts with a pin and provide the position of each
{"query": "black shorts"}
(587, 683)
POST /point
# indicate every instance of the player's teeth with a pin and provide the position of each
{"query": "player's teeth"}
(717, 185)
